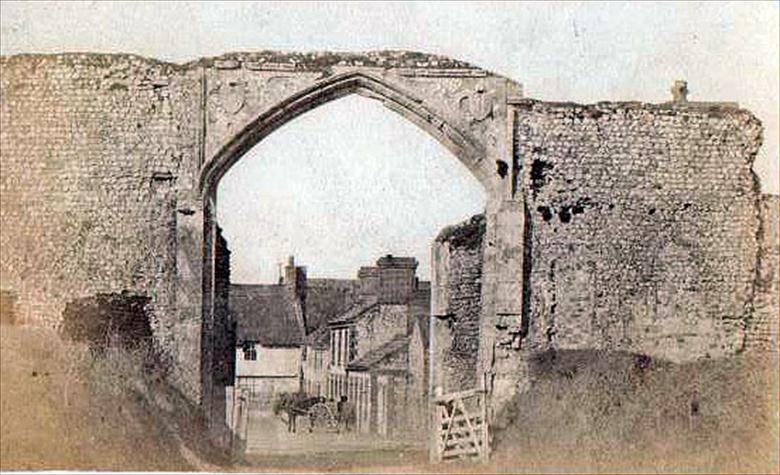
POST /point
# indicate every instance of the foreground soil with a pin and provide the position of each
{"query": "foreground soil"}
(60, 409)
(609, 412)
(585, 412)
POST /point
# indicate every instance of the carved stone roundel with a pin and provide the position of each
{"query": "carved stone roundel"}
(229, 97)
(477, 104)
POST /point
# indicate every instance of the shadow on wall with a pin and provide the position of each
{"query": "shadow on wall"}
(106, 320)
(8, 308)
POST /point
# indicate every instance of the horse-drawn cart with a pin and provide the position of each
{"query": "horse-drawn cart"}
(321, 415)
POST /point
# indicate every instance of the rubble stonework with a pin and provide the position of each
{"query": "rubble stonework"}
(762, 327)
(91, 150)
(111, 162)
(457, 263)
(642, 221)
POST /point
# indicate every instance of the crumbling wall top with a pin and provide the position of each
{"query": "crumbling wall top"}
(323, 60)
(267, 60)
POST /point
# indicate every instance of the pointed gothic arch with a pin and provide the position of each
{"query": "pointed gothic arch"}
(463, 147)
(465, 109)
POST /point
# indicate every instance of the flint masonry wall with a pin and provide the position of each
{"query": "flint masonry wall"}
(111, 162)
(762, 327)
(91, 149)
(457, 252)
(643, 226)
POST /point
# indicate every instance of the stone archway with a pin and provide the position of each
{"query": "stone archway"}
(468, 151)
(246, 97)
(107, 161)
(104, 155)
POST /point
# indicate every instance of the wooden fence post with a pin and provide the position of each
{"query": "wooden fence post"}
(435, 430)
(485, 452)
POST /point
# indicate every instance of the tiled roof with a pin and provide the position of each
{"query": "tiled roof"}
(320, 338)
(355, 312)
(374, 359)
(328, 298)
(265, 314)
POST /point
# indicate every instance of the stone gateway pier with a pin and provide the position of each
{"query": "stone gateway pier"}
(617, 226)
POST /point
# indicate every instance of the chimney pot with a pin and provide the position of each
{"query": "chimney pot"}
(680, 91)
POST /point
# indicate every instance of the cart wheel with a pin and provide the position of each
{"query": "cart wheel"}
(319, 415)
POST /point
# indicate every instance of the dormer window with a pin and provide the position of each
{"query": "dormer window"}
(250, 352)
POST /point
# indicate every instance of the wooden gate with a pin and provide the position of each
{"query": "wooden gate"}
(460, 427)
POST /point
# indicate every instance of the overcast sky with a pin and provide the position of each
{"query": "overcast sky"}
(338, 187)
(378, 184)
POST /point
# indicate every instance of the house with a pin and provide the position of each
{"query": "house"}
(273, 323)
(363, 338)
(269, 336)
(316, 360)
(377, 349)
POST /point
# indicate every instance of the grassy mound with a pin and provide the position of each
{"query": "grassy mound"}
(64, 406)
(594, 412)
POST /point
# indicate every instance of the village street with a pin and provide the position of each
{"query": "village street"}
(267, 434)
(270, 445)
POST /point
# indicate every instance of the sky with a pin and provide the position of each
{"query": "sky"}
(574, 51)
(338, 187)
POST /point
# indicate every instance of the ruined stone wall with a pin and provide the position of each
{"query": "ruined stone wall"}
(642, 227)
(458, 253)
(762, 327)
(92, 148)
(643, 222)
(7, 308)
(224, 338)
(111, 163)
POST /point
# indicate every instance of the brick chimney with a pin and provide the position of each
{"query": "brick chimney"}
(396, 279)
(294, 276)
(294, 281)
(369, 282)
(679, 91)
(391, 281)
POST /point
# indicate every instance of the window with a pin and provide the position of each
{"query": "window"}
(250, 352)
(341, 352)
(338, 348)
(333, 348)
(352, 344)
